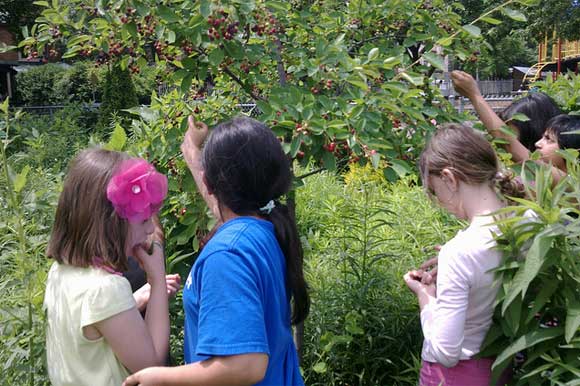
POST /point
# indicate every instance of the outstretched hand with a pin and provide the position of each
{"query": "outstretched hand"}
(146, 377)
(464, 84)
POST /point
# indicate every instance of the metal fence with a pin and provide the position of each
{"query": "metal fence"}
(497, 101)
(487, 87)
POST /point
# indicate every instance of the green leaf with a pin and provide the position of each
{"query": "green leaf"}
(519, 117)
(117, 140)
(547, 290)
(167, 14)
(435, 60)
(514, 14)
(400, 167)
(329, 161)
(373, 54)
(358, 83)
(524, 342)
(295, 146)
(375, 159)
(320, 367)
(204, 8)
(216, 56)
(20, 179)
(533, 263)
(391, 62)
(572, 315)
(445, 42)
(5, 106)
(491, 20)
(186, 83)
(472, 30)
(414, 80)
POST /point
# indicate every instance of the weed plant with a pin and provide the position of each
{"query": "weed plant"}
(361, 234)
(27, 198)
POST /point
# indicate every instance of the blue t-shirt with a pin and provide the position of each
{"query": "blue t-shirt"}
(235, 300)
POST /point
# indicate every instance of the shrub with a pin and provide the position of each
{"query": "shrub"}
(360, 236)
(35, 87)
(119, 94)
(565, 90)
(81, 83)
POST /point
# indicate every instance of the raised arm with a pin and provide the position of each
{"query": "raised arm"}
(466, 86)
(139, 344)
(191, 149)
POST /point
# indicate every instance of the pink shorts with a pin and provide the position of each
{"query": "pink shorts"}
(472, 372)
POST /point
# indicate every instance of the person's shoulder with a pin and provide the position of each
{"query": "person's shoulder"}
(473, 241)
(235, 233)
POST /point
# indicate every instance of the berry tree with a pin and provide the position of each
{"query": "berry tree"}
(337, 81)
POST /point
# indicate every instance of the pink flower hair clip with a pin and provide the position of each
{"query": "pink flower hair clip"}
(137, 190)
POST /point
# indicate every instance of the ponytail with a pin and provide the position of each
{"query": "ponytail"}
(509, 185)
(287, 235)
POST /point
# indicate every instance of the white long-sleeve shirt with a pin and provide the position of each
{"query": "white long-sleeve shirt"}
(456, 323)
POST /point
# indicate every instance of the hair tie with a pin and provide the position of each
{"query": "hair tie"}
(137, 190)
(267, 209)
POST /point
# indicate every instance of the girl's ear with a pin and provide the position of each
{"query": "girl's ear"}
(450, 180)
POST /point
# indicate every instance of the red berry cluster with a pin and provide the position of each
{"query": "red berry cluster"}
(147, 28)
(221, 26)
(267, 25)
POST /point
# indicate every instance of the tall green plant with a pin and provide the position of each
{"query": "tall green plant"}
(538, 308)
(565, 90)
(361, 235)
(22, 269)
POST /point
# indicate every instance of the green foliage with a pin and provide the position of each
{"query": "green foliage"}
(119, 94)
(50, 142)
(81, 83)
(565, 90)
(561, 16)
(36, 85)
(333, 85)
(539, 301)
(360, 236)
(27, 199)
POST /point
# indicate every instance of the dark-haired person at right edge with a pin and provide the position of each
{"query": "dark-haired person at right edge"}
(545, 130)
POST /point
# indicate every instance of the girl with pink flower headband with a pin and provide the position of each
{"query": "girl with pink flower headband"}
(95, 334)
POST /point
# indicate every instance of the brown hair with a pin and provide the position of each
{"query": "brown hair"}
(469, 156)
(86, 225)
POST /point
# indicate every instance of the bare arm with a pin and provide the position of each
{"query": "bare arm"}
(465, 85)
(139, 344)
(235, 370)
(191, 149)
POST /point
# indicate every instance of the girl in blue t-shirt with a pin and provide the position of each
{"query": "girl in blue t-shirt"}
(238, 295)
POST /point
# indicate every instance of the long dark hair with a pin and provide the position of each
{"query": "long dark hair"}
(539, 108)
(245, 167)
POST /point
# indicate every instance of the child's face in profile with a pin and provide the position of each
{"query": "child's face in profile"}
(138, 233)
(547, 146)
